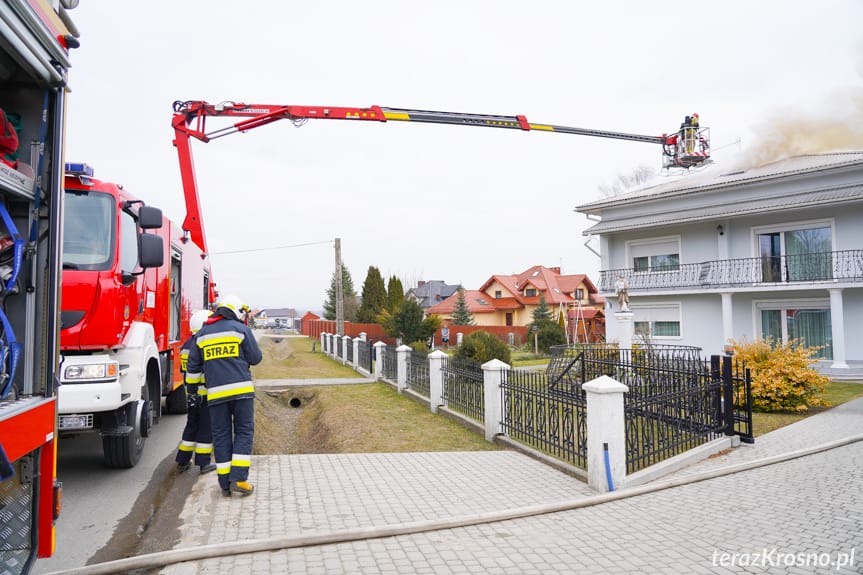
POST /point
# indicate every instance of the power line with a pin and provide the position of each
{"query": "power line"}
(271, 248)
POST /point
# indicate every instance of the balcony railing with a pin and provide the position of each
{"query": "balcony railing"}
(761, 271)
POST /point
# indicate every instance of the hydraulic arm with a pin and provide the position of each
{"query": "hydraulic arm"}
(685, 148)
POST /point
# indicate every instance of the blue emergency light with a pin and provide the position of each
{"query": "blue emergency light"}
(79, 169)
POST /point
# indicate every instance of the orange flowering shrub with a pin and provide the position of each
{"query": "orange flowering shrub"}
(782, 376)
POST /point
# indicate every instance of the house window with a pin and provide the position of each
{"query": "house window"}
(806, 322)
(799, 252)
(530, 292)
(498, 294)
(509, 318)
(655, 255)
(657, 321)
(579, 294)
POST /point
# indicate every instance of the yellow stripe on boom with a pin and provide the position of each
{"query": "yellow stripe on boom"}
(541, 127)
(397, 116)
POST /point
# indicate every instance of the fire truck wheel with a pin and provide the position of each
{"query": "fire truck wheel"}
(176, 401)
(124, 451)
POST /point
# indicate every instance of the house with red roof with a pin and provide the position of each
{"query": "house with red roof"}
(509, 300)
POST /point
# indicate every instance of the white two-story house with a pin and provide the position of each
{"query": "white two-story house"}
(775, 250)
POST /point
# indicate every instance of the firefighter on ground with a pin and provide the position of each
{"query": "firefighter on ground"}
(197, 435)
(224, 349)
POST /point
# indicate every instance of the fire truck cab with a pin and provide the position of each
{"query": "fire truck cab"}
(131, 280)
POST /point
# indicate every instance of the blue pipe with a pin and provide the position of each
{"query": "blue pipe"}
(608, 468)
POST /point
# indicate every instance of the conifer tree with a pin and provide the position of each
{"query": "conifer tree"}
(395, 294)
(374, 297)
(350, 297)
(542, 311)
(461, 314)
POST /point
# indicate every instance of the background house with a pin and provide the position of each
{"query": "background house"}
(430, 293)
(773, 250)
(509, 300)
(277, 317)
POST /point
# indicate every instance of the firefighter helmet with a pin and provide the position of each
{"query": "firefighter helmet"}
(235, 304)
(197, 320)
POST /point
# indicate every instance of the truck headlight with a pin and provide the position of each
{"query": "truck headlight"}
(91, 371)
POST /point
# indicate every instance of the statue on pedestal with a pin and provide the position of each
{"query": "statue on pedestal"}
(622, 289)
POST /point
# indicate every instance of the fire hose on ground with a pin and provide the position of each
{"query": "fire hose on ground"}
(164, 558)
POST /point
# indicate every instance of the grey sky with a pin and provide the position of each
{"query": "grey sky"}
(436, 202)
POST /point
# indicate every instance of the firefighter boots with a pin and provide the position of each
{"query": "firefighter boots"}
(243, 487)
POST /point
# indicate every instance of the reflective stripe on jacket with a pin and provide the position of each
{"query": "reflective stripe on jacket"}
(193, 381)
(222, 352)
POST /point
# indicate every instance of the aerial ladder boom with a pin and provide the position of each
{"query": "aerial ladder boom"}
(690, 146)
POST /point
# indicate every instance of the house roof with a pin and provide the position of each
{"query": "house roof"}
(555, 287)
(548, 282)
(279, 312)
(716, 178)
(586, 313)
(431, 292)
(477, 302)
(310, 316)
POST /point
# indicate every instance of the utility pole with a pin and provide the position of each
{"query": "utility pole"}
(340, 294)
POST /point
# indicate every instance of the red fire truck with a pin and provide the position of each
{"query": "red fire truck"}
(35, 38)
(131, 280)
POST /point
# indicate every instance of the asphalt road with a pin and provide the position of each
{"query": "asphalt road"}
(104, 509)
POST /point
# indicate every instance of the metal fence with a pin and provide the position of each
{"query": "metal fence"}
(677, 400)
(418, 372)
(463, 387)
(390, 359)
(546, 417)
(737, 390)
(338, 347)
(349, 351)
(365, 350)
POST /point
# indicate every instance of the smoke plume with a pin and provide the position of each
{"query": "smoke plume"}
(837, 126)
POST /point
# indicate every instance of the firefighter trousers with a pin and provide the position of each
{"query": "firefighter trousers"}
(233, 431)
(197, 437)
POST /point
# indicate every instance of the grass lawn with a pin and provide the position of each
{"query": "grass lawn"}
(363, 418)
(372, 418)
(293, 358)
(835, 393)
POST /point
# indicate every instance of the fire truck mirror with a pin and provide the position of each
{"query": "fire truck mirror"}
(151, 251)
(149, 218)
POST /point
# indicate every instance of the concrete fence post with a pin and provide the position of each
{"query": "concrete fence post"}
(492, 378)
(324, 342)
(403, 354)
(363, 336)
(346, 341)
(356, 355)
(436, 379)
(379, 348)
(605, 432)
